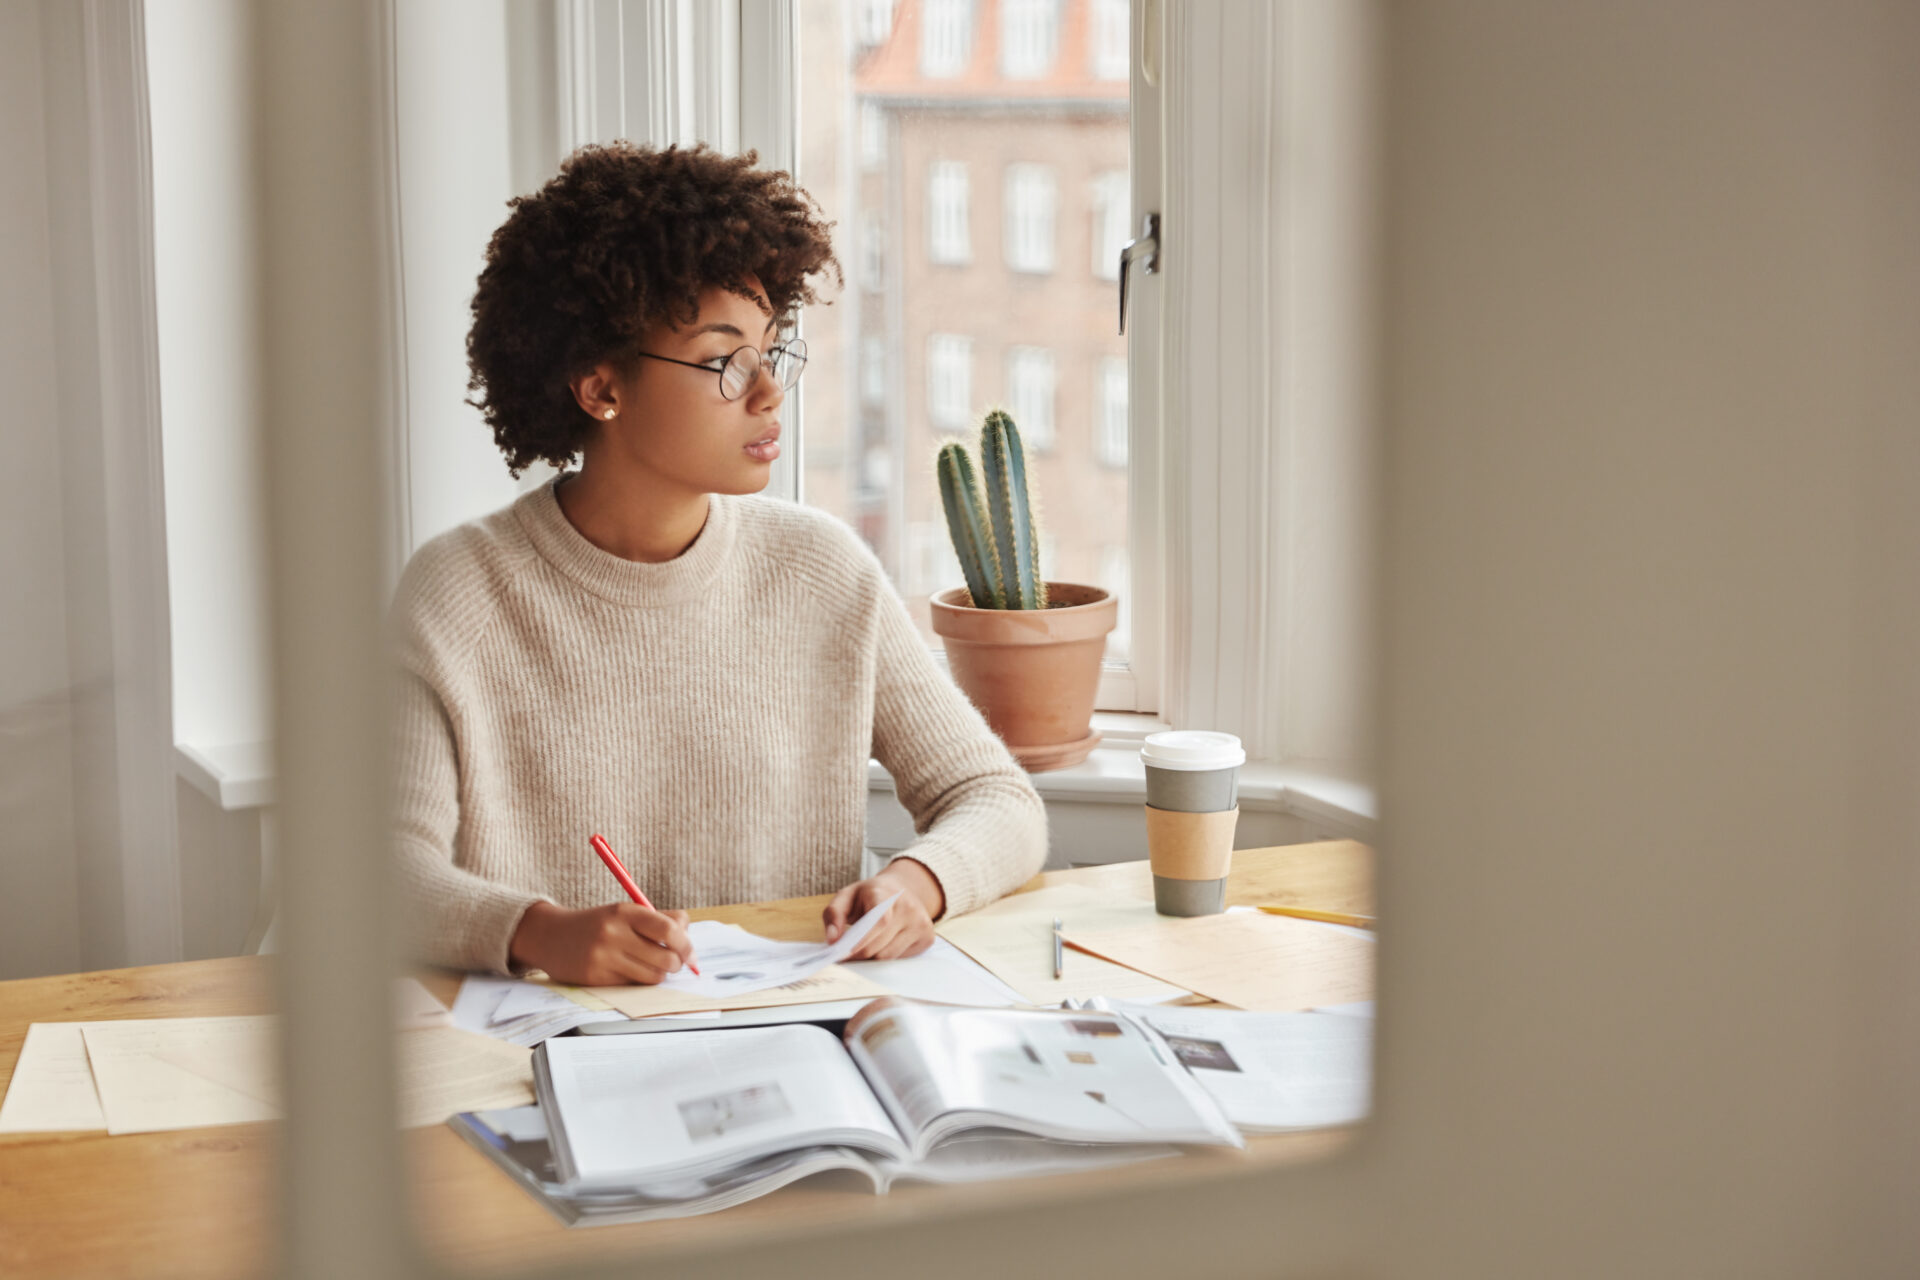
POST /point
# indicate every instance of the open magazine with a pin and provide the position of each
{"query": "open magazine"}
(712, 1116)
(516, 1139)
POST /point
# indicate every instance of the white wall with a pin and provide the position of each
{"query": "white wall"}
(453, 182)
(206, 280)
(39, 872)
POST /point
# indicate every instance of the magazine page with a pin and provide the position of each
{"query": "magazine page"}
(626, 1110)
(516, 1139)
(1271, 1071)
(988, 1155)
(1080, 1076)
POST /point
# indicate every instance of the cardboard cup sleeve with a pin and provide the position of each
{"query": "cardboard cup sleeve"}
(1190, 846)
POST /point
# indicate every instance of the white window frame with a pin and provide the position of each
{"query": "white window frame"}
(1032, 392)
(949, 213)
(875, 22)
(1030, 197)
(1108, 55)
(946, 37)
(949, 381)
(872, 248)
(873, 370)
(1110, 442)
(874, 126)
(1111, 203)
(1029, 38)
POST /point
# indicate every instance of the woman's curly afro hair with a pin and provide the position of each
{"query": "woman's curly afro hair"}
(624, 238)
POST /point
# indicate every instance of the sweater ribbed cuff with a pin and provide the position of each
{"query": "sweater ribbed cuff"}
(957, 870)
(487, 932)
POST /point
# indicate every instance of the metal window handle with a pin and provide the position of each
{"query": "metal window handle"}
(1148, 247)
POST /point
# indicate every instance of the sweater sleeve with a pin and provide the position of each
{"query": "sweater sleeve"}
(982, 826)
(456, 918)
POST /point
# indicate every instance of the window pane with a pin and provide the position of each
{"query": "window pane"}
(980, 152)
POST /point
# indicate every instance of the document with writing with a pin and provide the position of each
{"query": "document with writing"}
(742, 970)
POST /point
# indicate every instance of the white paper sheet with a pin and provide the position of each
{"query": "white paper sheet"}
(52, 1086)
(547, 1012)
(735, 962)
(183, 1073)
(1271, 1071)
(941, 973)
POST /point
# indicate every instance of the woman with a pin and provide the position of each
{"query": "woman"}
(642, 648)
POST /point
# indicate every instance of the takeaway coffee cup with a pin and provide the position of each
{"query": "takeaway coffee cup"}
(1193, 779)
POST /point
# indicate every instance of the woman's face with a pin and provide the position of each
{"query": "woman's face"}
(672, 421)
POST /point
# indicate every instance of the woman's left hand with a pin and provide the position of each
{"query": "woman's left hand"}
(908, 928)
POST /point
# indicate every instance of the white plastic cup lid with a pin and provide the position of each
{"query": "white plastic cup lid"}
(1192, 749)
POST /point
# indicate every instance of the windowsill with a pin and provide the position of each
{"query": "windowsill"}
(1113, 774)
(241, 776)
(234, 776)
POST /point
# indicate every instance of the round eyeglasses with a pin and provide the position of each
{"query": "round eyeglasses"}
(737, 372)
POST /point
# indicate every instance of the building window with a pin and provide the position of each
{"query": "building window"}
(873, 251)
(1029, 38)
(1116, 575)
(873, 370)
(876, 21)
(1029, 217)
(946, 38)
(949, 380)
(1108, 46)
(1030, 395)
(932, 565)
(873, 136)
(948, 240)
(1111, 203)
(1110, 420)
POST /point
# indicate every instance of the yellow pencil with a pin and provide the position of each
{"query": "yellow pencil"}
(1325, 917)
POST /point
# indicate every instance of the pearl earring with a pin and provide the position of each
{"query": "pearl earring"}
(608, 415)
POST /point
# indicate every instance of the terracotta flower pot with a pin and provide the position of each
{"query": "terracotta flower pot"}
(1032, 672)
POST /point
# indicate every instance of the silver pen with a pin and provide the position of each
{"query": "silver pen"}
(1058, 953)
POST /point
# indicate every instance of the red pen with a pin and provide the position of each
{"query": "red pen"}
(607, 855)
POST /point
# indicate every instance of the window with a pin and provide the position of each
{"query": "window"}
(1116, 575)
(950, 381)
(873, 251)
(873, 135)
(873, 370)
(904, 379)
(1109, 58)
(876, 22)
(932, 566)
(1029, 38)
(946, 38)
(1110, 424)
(947, 237)
(1029, 217)
(1110, 223)
(1030, 395)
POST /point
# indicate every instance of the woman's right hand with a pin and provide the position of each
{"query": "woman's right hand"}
(619, 943)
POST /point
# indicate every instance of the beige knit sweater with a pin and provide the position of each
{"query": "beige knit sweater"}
(711, 716)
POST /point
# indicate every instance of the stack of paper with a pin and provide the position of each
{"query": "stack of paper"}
(525, 1013)
(742, 970)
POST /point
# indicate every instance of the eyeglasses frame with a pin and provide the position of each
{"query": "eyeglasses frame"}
(780, 350)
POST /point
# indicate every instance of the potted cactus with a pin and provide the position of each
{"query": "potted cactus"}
(1025, 650)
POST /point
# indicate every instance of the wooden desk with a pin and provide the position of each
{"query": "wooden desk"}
(199, 1202)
